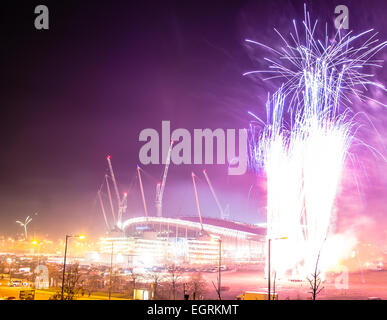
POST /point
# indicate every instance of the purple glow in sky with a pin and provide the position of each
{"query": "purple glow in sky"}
(86, 87)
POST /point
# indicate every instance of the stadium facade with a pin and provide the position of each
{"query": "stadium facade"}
(157, 241)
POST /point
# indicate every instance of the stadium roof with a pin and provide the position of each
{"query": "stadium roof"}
(239, 226)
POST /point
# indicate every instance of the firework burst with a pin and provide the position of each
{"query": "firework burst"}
(344, 56)
(303, 158)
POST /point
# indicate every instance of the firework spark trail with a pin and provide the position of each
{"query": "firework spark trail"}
(339, 55)
(304, 161)
(326, 138)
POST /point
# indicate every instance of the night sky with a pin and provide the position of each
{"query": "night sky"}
(105, 70)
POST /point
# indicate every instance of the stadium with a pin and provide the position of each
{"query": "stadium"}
(155, 241)
(148, 241)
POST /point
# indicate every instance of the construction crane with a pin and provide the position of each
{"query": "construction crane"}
(122, 209)
(222, 212)
(197, 201)
(103, 209)
(122, 204)
(113, 179)
(160, 186)
(142, 191)
(110, 198)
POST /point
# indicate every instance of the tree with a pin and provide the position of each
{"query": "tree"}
(55, 275)
(197, 286)
(155, 278)
(134, 277)
(116, 281)
(72, 284)
(315, 281)
(173, 278)
(92, 282)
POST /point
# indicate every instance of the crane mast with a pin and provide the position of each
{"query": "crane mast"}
(114, 180)
(142, 191)
(122, 204)
(160, 187)
(110, 198)
(222, 213)
(103, 210)
(197, 201)
(122, 209)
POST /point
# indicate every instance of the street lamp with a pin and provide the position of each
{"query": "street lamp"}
(81, 237)
(111, 270)
(219, 239)
(269, 273)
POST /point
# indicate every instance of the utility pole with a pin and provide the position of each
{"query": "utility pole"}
(186, 296)
(268, 265)
(219, 266)
(218, 289)
(64, 261)
(64, 266)
(268, 268)
(111, 269)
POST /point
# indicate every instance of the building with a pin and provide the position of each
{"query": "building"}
(156, 241)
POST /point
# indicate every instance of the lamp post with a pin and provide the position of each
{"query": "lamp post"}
(186, 296)
(268, 267)
(111, 269)
(65, 256)
(219, 266)
(219, 239)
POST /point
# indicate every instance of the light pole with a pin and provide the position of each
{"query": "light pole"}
(186, 297)
(219, 266)
(65, 256)
(268, 267)
(219, 239)
(111, 269)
